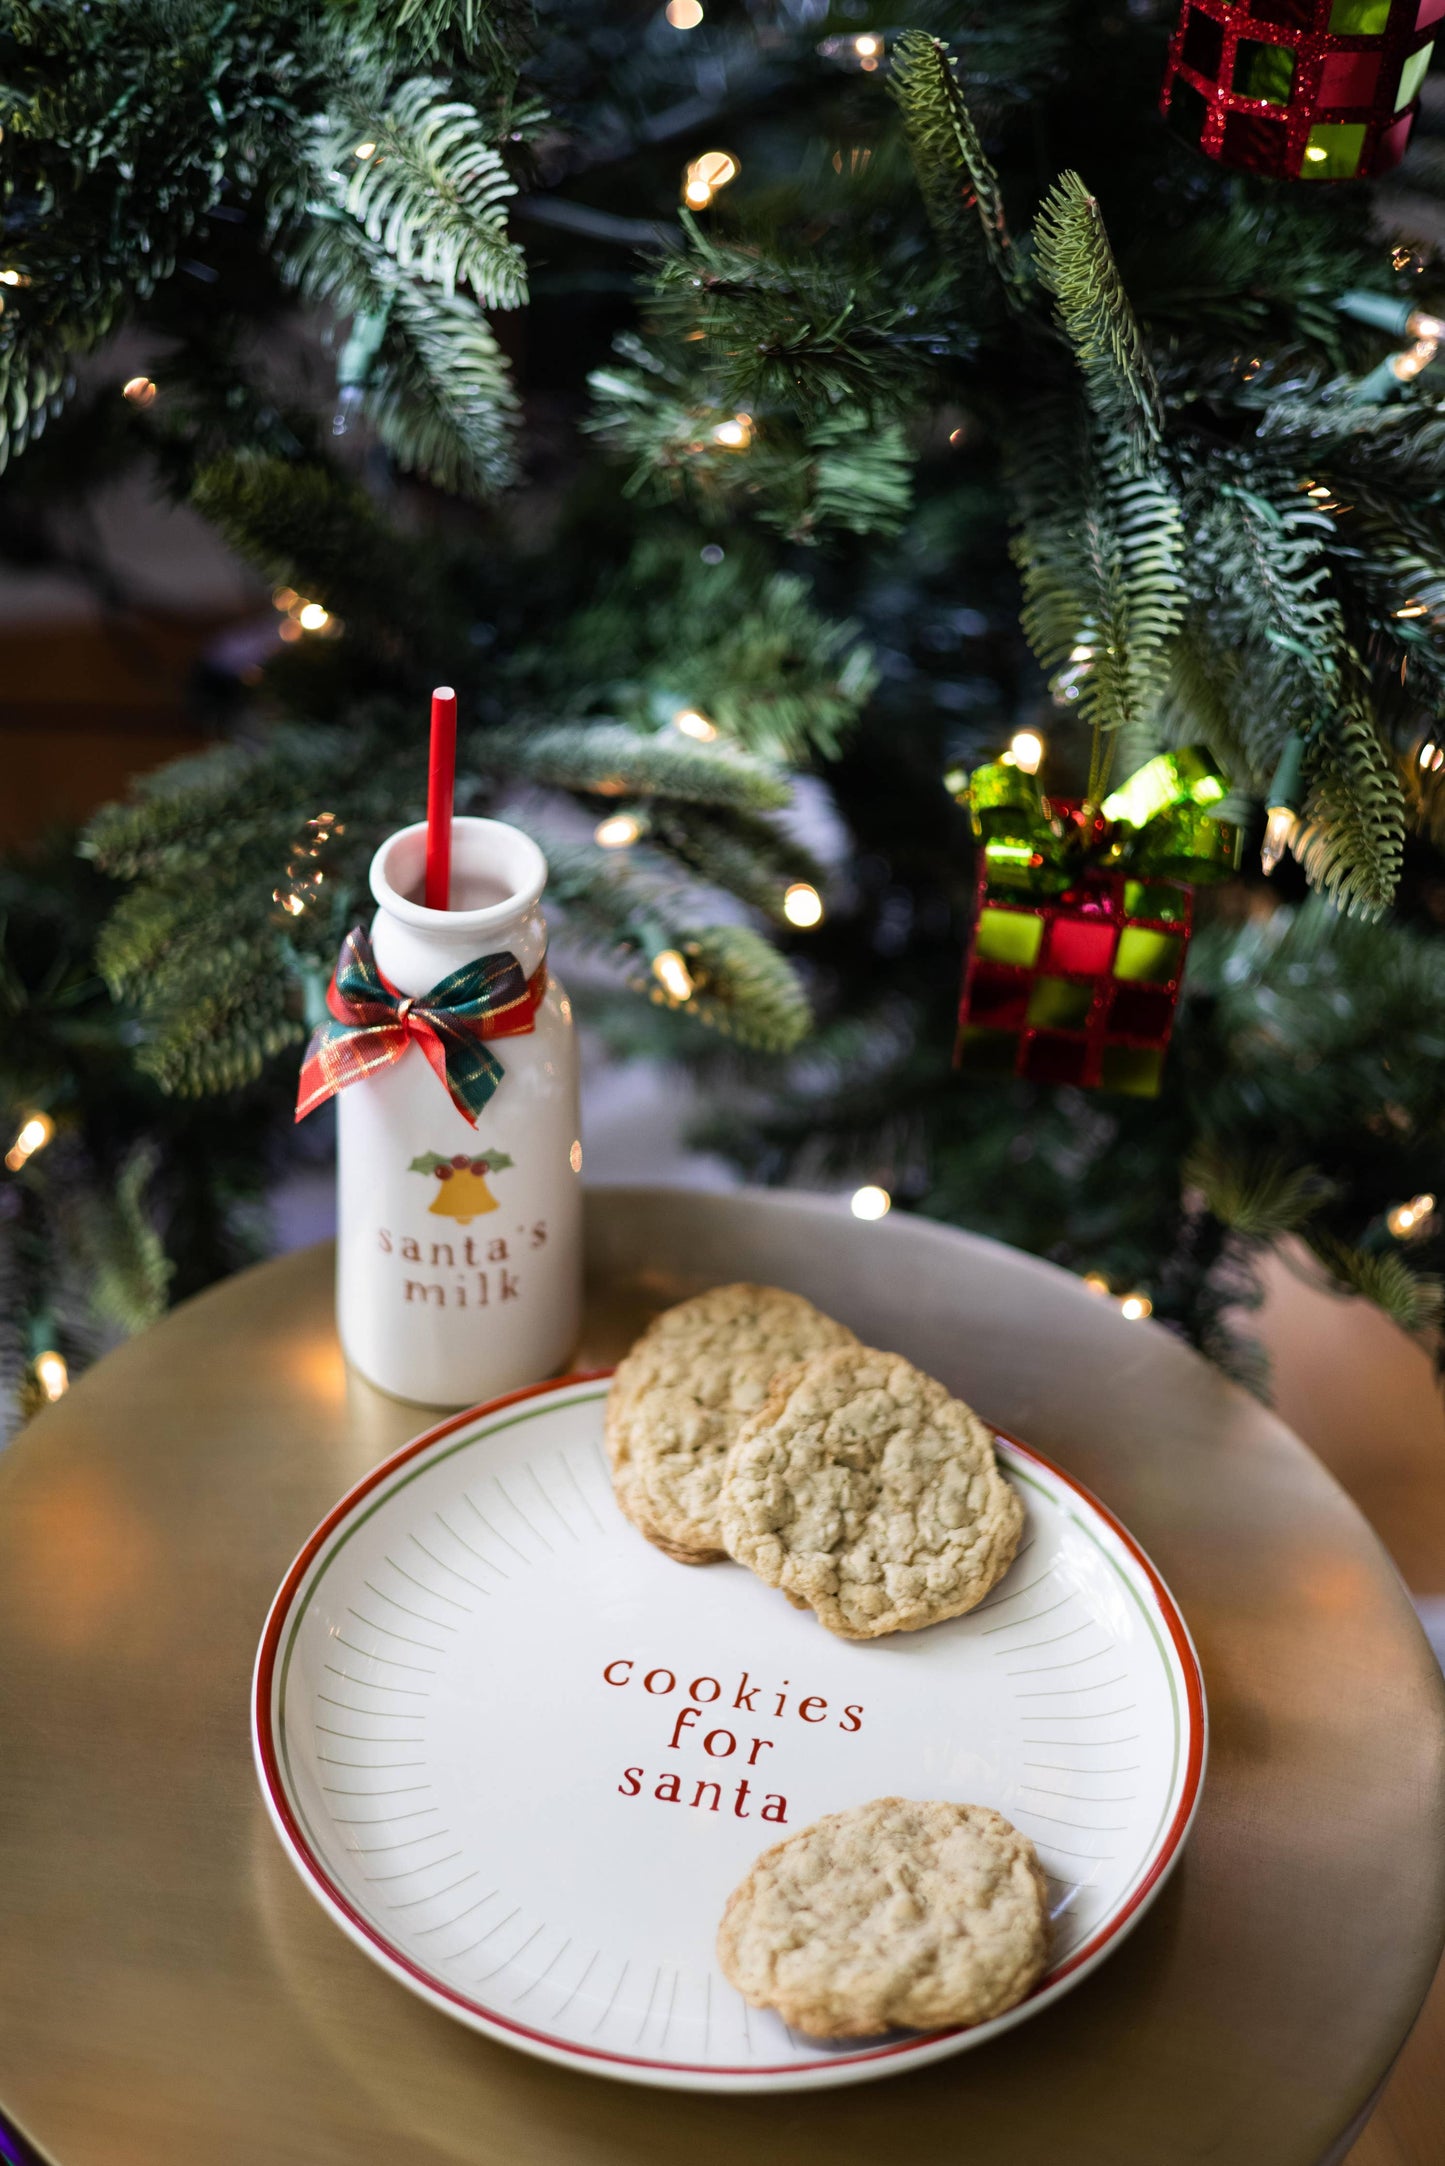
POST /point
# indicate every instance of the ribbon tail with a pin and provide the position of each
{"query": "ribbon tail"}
(469, 1072)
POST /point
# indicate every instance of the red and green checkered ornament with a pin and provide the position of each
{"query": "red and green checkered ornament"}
(1083, 921)
(1312, 90)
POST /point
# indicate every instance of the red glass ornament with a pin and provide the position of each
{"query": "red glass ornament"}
(1318, 90)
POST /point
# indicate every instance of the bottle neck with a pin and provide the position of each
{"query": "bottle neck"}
(415, 958)
(498, 874)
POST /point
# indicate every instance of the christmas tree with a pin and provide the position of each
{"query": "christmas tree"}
(715, 393)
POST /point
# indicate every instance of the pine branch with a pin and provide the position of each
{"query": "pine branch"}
(114, 1242)
(433, 193)
(746, 990)
(804, 331)
(498, 32)
(1413, 1300)
(610, 760)
(1102, 555)
(1351, 841)
(1077, 266)
(304, 525)
(740, 852)
(33, 388)
(1261, 1194)
(959, 186)
(439, 393)
(840, 469)
(442, 399)
(743, 988)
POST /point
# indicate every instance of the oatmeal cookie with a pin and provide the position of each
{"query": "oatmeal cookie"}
(891, 1914)
(863, 1489)
(681, 1395)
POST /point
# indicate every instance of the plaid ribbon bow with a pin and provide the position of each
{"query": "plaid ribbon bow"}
(374, 1025)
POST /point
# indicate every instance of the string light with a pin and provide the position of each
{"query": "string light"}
(34, 1133)
(870, 1202)
(1413, 609)
(803, 906)
(312, 617)
(51, 1374)
(364, 151)
(305, 878)
(702, 178)
(618, 831)
(140, 390)
(1279, 830)
(1096, 1282)
(285, 598)
(1028, 751)
(1409, 1218)
(867, 47)
(672, 974)
(574, 1157)
(693, 724)
(683, 14)
(1432, 756)
(1282, 805)
(13, 278)
(1407, 366)
(734, 435)
(1136, 1306)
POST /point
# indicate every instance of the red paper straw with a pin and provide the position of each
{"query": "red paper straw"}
(441, 777)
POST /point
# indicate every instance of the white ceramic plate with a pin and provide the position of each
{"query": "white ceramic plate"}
(522, 1758)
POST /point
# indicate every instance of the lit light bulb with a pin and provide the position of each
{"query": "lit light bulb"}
(312, 617)
(618, 831)
(139, 390)
(1432, 756)
(1135, 1306)
(1279, 828)
(1315, 155)
(1406, 366)
(672, 974)
(285, 598)
(13, 278)
(803, 905)
(574, 1157)
(364, 151)
(716, 167)
(290, 630)
(1413, 609)
(1096, 1282)
(1028, 750)
(51, 1374)
(870, 1202)
(1423, 325)
(867, 47)
(697, 195)
(1408, 1218)
(683, 14)
(693, 724)
(34, 1133)
(734, 435)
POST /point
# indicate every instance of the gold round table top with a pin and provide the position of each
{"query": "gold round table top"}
(171, 1995)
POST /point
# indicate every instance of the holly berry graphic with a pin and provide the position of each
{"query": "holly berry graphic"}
(462, 1191)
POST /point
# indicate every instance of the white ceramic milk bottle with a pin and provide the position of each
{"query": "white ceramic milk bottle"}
(459, 1249)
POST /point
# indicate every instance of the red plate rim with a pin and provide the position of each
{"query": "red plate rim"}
(305, 1858)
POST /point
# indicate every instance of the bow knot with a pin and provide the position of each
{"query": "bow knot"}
(373, 1025)
(1162, 823)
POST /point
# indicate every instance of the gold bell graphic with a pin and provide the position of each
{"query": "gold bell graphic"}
(462, 1190)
